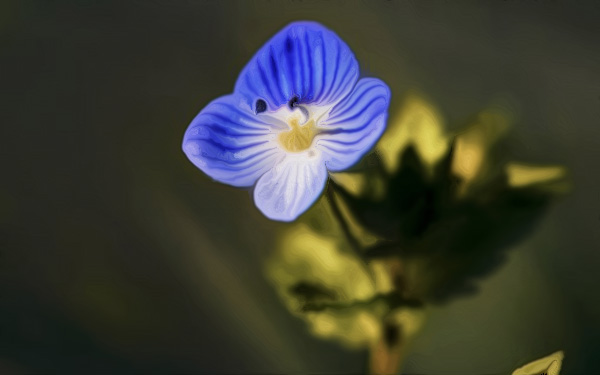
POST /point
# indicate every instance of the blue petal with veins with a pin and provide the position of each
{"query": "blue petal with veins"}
(304, 61)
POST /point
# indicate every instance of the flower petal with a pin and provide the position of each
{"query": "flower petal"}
(354, 125)
(290, 188)
(305, 61)
(230, 143)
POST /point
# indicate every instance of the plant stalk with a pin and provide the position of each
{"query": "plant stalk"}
(385, 357)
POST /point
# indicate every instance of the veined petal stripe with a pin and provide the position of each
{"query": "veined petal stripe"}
(335, 72)
(215, 127)
(308, 82)
(343, 150)
(242, 124)
(248, 172)
(296, 176)
(261, 74)
(229, 165)
(319, 97)
(252, 124)
(224, 150)
(345, 143)
(348, 106)
(347, 119)
(250, 84)
(300, 63)
(275, 73)
(289, 63)
(218, 128)
(273, 86)
(340, 86)
(239, 131)
(230, 142)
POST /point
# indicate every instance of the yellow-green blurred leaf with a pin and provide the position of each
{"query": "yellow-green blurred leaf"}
(549, 365)
(551, 177)
(471, 161)
(312, 258)
(418, 123)
(321, 279)
(311, 267)
(354, 327)
(354, 183)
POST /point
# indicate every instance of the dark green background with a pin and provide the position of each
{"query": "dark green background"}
(117, 255)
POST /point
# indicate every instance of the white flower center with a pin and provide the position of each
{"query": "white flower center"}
(302, 126)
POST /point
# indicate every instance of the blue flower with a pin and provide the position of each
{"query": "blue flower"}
(297, 111)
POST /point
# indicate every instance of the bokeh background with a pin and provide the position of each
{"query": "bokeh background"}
(118, 256)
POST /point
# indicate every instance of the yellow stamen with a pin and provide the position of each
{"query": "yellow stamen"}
(300, 137)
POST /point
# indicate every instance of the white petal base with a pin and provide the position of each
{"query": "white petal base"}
(292, 186)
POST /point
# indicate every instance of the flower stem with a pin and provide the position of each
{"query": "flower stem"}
(385, 357)
(335, 209)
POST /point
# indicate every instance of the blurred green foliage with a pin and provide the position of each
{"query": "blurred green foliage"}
(417, 221)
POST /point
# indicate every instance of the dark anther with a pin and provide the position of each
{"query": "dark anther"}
(260, 106)
(391, 334)
(292, 103)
